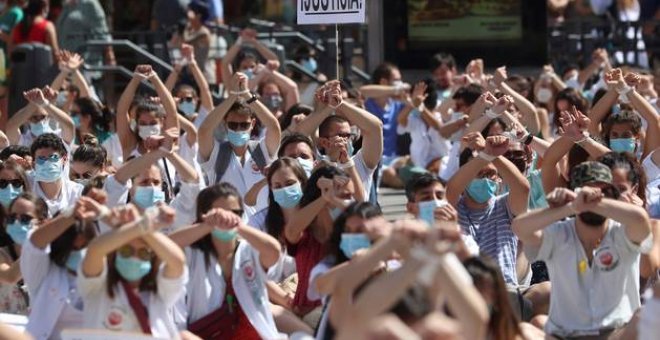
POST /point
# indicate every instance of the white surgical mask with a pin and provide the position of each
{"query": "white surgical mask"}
(146, 131)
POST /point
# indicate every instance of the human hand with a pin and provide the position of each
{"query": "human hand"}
(474, 141)
(496, 145)
(248, 35)
(35, 96)
(221, 219)
(500, 75)
(587, 199)
(419, 94)
(632, 79)
(574, 124)
(188, 54)
(49, 93)
(143, 72)
(559, 197)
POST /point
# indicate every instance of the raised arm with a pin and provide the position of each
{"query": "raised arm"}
(302, 219)
(647, 111)
(215, 117)
(518, 185)
(133, 167)
(267, 119)
(529, 226)
(166, 100)
(126, 136)
(52, 229)
(205, 97)
(634, 218)
(266, 245)
(168, 252)
(19, 118)
(527, 109)
(190, 130)
(41, 98)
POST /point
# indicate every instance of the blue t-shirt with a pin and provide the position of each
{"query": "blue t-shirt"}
(388, 116)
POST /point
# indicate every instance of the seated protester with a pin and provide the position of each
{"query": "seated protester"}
(131, 277)
(144, 181)
(49, 263)
(308, 228)
(193, 106)
(13, 182)
(355, 230)
(517, 89)
(91, 118)
(295, 146)
(428, 147)
(41, 114)
(427, 202)
(481, 212)
(239, 160)
(336, 136)
(24, 213)
(89, 160)
(565, 100)
(622, 131)
(590, 246)
(384, 102)
(226, 294)
(151, 119)
(463, 100)
(49, 180)
(19, 153)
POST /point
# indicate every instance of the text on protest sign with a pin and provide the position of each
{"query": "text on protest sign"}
(331, 11)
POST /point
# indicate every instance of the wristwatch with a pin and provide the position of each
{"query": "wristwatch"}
(252, 99)
(529, 139)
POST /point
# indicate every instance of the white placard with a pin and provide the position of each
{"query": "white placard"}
(331, 11)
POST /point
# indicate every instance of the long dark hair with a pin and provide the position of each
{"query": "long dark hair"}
(91, 152)
(101, 116)
(62, 246)
(274, 216)
(205, 201)
(33, 9)
(364, 210)
(504, 323)
(635, 172)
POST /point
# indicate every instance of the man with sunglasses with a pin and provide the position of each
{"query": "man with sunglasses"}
(591, 242)
(50, 180)
(246, 158)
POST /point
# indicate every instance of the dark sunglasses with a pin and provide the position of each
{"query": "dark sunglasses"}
(16, 183)
(238, 126)
(52, 158)
(186, 99)
(349, 136)
(128, 251)
(23, 218)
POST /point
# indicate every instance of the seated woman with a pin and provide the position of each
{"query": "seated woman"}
(227, 297)
(132, 276)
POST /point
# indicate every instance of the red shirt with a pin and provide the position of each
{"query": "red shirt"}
(37, 33)
(307, 253)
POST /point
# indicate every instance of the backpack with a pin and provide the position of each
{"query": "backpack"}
(226, 152)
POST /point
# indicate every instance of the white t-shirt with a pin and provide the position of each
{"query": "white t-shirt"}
(68, 196)
(241, 176)
(113, 146)
(426, 143)
(587, 298)
(453, 162)
(116, 314)
(366, 174)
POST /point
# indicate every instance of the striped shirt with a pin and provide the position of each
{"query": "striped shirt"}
(491, 229)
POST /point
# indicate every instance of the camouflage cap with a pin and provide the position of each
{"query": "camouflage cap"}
(587, 172)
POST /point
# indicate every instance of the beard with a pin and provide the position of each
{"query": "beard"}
(592, 219)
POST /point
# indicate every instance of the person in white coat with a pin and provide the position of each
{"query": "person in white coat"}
(132, 276)
(227, 296)
(49, 262)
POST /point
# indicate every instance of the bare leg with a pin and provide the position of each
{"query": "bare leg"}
(287, 322)
(539, 295)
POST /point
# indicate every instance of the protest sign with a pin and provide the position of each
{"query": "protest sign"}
(312, 12)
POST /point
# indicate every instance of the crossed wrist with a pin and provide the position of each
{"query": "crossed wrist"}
(485, 156)
(585, 138)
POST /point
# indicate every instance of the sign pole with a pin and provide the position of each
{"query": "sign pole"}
(337, 49)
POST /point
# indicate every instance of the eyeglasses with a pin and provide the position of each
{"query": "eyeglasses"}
(236, 126)
(128, 251)
(86, 175)
(238, 212)
(52, 158)
(16, 183)
(186, 99)
(23, 218)
(349, 135)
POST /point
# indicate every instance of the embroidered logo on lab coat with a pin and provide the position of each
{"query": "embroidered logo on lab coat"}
(255, 167)
(248, 270)
(115, 318)
(606, 258)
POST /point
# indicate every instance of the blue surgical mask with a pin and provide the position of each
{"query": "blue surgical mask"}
(131, 268)
(40, 127)
(187, 107)
(288, 197)
(350, 149)
(76, 121)
(147, 196)
(427, 210)
(49, 171)
(307, 165)
(238, 138)
(18, 231)
(74, 259)
(224, 235)
(273, 102)
(309, 64)
(623, 144)
(61, 99)
(249, 73)
(350, 243)
(8, 194)
(482, 189)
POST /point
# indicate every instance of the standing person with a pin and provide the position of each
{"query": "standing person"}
(443, 70)
(80, 21)
(131, 277)
(35, 27)
(166, 14)
(591, 247)
(11, 13)
(199, 36)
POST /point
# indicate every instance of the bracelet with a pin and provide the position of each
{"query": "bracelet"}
(44, 104)
(584, 139)
(623, 97)
(486, 157)
(349, 164)
(491, 114)
(105, 212)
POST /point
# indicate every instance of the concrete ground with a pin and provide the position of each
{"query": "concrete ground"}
(393, 203)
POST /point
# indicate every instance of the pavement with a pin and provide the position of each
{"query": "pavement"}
(392, 203)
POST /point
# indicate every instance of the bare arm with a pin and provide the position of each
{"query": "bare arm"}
(10, 273)
(641, 105)
(272, 125)
(527, 109)
(266, 245)
(379, 91)
(302, 219)
(205, 97)
(167, 101)
(184, 237)
(50, 230)
(189, 128)
(550, 173)
(19, 118)
(185, 171)
(168, 252)
(312, 122)
(133, 167)
(600, 109)
(634, 218)
(215, 117)
(126, 136)
(372, 132)
(529, 226)
(518, 185)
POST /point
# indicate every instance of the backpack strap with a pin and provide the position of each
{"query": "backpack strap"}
(254, 147)
(222, 161)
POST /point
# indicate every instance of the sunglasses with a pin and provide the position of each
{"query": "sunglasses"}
(86, 175)
(349, 136)
(128, 251)
(186, 99)
(52, 158)
(236, 126)
(23, 218)
(16, 183)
